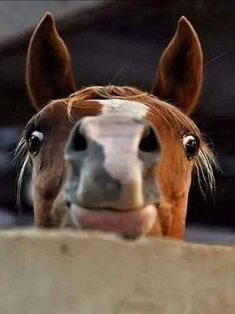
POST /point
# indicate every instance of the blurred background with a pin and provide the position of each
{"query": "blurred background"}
(120, 42)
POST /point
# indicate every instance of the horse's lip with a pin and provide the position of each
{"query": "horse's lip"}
(130, 223)
(110, 209)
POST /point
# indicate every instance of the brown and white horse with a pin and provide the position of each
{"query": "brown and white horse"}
(114, 158)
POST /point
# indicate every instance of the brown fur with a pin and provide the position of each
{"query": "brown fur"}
(179, 76)
(48, 74)
(174, 172)
(179, 81)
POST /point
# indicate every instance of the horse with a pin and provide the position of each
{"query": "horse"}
(114, 158)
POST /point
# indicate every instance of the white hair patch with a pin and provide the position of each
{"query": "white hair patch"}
(127, 107)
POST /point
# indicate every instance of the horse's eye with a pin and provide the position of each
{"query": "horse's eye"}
(191, 145)
(34, 141)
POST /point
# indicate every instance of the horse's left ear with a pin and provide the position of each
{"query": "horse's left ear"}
(179, 76)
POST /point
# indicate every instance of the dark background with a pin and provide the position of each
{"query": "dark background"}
(121, 42)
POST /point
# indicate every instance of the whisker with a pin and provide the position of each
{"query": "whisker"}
(223, 54)
(21, 158)
(204, 163)
(177, 120)
(116, 76)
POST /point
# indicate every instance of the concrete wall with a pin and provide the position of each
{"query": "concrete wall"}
(68, 272)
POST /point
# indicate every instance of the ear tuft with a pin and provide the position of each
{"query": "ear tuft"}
(46, 23)
(184, 23)
(48, 17)
(186, 31)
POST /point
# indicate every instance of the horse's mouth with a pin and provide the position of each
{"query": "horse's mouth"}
(129, 223)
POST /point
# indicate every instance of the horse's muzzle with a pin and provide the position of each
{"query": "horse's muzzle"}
(111, 181)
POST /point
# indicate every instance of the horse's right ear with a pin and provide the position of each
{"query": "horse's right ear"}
(48, 69)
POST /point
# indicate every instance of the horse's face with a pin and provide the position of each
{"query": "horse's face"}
(113, 158)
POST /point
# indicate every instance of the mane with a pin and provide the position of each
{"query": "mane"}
(205, 161)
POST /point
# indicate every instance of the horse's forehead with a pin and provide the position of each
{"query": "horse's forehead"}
(123, 106)
(92, 107)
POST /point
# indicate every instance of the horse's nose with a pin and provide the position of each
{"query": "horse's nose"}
(112, 163)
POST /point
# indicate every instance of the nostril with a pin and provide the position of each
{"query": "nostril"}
(79, 141)
(68, 204)
(149, 142)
